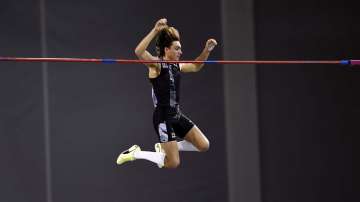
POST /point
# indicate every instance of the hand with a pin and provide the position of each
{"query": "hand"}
(210, 44)
(161, 24)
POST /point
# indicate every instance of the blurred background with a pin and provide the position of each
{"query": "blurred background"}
(278, 133)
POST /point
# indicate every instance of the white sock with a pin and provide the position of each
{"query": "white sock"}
(186, 146)
(156, 157)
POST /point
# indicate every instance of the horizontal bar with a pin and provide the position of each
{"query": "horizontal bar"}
(128, 61)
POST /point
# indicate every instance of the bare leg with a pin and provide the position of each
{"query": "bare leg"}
(172, 159)
(198, 139)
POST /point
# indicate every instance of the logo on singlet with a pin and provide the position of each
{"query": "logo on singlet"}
(165, 66)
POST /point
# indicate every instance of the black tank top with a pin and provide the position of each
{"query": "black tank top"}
(166, 87)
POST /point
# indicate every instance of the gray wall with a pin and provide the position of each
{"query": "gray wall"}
(241, 108)
(22, 166)
(308, 113)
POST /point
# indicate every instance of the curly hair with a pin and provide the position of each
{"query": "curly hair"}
(165, 39)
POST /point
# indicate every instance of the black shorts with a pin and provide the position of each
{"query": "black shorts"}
(170, 124)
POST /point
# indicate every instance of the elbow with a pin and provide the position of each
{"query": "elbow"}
(137, 52)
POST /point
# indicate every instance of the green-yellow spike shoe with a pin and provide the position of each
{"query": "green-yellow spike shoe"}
(127, 155)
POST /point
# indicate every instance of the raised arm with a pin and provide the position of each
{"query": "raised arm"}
(140, 49)
(192, 67)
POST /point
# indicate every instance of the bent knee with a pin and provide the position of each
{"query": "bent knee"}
(204, 146)
(172, 163)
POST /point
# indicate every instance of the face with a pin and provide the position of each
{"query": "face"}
(174, 51)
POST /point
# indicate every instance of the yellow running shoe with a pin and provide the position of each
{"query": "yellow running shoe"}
(127, 155)
(158, 148)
